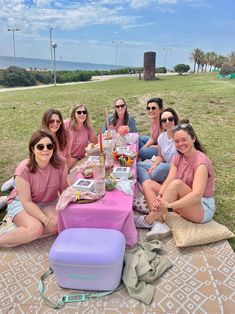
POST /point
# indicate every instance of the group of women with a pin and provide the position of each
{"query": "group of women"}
(180, 178)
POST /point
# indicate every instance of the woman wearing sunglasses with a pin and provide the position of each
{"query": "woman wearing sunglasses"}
(148, 145)
(80, 130)
(189, 188)
(158, 170)
(120, 117)
(52, 121)
(39, 179)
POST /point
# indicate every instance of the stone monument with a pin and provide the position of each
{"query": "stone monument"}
(149, 65)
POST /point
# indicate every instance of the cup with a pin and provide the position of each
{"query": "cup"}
(99, 172)
(100, 187)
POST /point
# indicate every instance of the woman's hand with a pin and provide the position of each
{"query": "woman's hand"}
(164, 205)
(51, 225)
(156, 202)
(151, 169)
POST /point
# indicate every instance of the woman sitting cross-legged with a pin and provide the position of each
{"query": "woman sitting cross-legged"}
(148, 146)
(81, 132)
(39, 180)
(158, 170)
(52, 120)
(188, 190)
(120, 117)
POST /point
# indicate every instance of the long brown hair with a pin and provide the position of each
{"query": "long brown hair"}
(35, 138)
(61, 134)
(86, 123)
(174, 114)
(115, 115)
(185, 126)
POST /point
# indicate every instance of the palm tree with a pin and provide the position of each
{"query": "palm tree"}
(212, 56)
(195, 57)
(231, 58)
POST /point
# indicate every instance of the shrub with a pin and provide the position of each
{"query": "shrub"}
(181, 68)
(227, 68)
(161, 70)
(14, 76)
(43, 77)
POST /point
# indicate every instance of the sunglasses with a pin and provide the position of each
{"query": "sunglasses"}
(182, 126)
(42, 146)
(170, 119)
(151, 108)
(53, 121)
(120, 106)
(79, 112)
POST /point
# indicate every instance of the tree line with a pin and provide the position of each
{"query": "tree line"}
(205, 61)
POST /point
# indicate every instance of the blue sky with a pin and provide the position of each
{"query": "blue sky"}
(84, 30)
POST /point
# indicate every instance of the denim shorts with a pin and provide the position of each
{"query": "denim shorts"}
(15, 207)
(208, 204)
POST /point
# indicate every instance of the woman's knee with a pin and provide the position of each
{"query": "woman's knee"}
(147, 184)
(35, 230)
(176, 184)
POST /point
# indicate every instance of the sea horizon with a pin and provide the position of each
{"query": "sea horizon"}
(45, 64)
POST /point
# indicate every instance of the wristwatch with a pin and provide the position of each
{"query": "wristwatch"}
(170, 209)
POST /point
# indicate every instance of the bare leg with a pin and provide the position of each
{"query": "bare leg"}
(178, 189)
(150, 189)
(28, 229)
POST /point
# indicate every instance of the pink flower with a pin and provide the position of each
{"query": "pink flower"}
(123, 130)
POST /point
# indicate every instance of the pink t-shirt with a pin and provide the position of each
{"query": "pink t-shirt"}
(186, 168)
(79, 138)
(45, 183)
(155, 130)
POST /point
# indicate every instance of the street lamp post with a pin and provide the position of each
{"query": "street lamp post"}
(54, 45)
(166, 55)
(116, 42)
(51, 48)
(13, 37)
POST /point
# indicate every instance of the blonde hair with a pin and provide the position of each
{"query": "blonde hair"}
(86, 123)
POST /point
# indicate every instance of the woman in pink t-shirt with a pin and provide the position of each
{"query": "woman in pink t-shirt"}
(148, 145)
(52, 120)
(189, 188)
(81, 132)
(39, 180)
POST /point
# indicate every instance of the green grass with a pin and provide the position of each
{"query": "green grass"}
(205, 100)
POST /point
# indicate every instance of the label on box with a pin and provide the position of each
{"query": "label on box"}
(119, 172)
(84, 185)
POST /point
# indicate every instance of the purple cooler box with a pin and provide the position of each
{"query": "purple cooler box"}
(88, 258)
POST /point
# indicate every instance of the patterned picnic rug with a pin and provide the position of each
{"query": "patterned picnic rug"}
(202, 280)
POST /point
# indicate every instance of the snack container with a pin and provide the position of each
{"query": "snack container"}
(119, 172)
(84, 185)
(88, 258)
(93, 159)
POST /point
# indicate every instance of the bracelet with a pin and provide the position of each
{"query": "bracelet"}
(46, 220)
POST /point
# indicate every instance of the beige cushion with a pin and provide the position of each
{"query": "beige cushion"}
(186, 233)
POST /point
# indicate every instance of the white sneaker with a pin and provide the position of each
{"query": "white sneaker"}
(6, 225)
(140, 222)
(159, 231)
(3, 201)
(8, 185)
